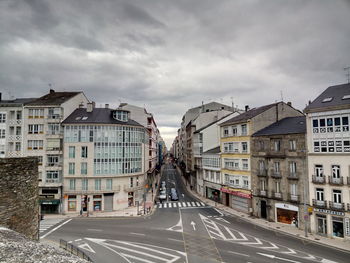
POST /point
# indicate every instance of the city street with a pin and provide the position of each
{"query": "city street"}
(187, 230)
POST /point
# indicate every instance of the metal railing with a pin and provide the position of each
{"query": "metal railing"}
(318, 179)
(337, 206)
(319, 203)
(293, 176)
(335, 181)
(74, 250)
(262, 172)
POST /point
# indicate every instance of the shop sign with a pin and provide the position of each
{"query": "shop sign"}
(287, 207)
(49, 202)
(326, 211)
(212, 185)
(236, 193)
(46, 196)
(347, 226)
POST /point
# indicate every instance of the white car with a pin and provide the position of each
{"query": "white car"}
(162, 195)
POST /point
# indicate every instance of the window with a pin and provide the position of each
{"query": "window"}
(226, 132)
(245, 164)
(261, 166)
(234, 131)
(84, 184)
(131, 182)
(231, 164)
(35, 145)
(35, 128)
(97, 184)
(83, 168)
(71, 184)
(71, 169)
(277, 145)
(293, 189)
(319, 194)
(108, 184)
(84, 151)
(40, 160)
(218, 177)
(36, 113)
(18, 148)
(262, 185)
(19, 115)
(18, 130)
(52, 160)
(52, 176)
(276, 166)
(71, 151)
(54, 113)
(337, 196)
(261, 145)
(245, 182)
(278, 186)
(244, 129)
(53, 145)
(53, 128)
(2, 117)
(72, 203)
(244, 147)
(292, 145)
(293, 168)
(319, 170)
(2, 133)
(335, 171)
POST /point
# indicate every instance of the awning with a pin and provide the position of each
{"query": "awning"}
(50, 202)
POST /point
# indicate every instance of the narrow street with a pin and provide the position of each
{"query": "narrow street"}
(187, 230)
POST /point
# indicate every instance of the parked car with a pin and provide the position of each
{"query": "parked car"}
(162, 194)
(173, 196)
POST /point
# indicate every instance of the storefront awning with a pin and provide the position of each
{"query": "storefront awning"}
(238, 192)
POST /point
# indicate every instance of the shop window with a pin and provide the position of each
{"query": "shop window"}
(338, 226)
(321, 224)
(72, 203)
(97, 202)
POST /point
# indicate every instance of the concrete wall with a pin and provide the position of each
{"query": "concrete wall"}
(19, 195)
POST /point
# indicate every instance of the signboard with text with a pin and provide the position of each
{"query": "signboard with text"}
(236, 192)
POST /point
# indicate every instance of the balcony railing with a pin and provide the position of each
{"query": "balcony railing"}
(335, 181)
(54, 116)
(293, 176)
(53, 181)
(294, 198)
(13, 138)
(15, 122)
(80, 190)
(53, 164)
(262, 173)
(277, 154)
(276, 174)
(277, 195)
(262, 192)
(337, 206)
(133, 188)
(318, 179)
(319, 203)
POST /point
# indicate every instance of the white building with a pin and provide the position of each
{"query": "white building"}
(105, 160)
(328, 143)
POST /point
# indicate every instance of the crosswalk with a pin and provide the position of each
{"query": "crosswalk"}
(48, 223)
(180, 204)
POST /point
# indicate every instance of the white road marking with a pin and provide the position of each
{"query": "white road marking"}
(179, 204)
(193, 225)
(273, 256)
(258, 242)
(193, 203)
(160, 205)
(188, 203)
(138, 234)
(77, 240)
(169, 204)
(48, 233)
(87, 247)
(245, 255)
(217, 210)
(223, 220)
(184, 204)
(202, 203)
(177, 240)
(175, 204)
(165, 205)
(198, 204)
(94, 229)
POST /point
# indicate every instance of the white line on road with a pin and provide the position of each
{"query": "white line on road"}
(48, 233)
(138, 234)
(184, 204)
(273, 256)
(217, 210)
(177, 240)
(160, 205)
(193, 203)
(77, 240)
(179, 204)
(245, 255)
(169, 205)
(165, 205)
(93, 229)
(198, 204)
(202, 203)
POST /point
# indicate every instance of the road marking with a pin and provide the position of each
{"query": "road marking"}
(327, 261)
(193, 203)
(188, 203)
(174, 204)
(177, 240)
(258, 242)
(193, 225)
(93, 229)
(77, 240)
(245, 255)
(165, 205)
(223, 220)
(184, 204)
(169, 204)
(202, 203)
(87, 247)
(217, 210)
(138, 234)
(48, 233)
(198, 204)
(160, 205)
(179, 204)
(273, 256)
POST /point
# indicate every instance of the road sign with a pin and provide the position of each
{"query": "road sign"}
(310, 209)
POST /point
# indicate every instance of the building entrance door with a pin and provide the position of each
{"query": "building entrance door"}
(321, 225)
(108, 202)
(227, 199)
(263, 209)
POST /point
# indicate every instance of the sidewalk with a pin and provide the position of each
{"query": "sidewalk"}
(278, 227)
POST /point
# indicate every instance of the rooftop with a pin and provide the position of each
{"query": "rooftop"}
(53, 98)
(213, 151)
(334, 96)
(97, 116)
(20, 101)
(289, 125)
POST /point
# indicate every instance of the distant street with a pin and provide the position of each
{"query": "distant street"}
(187, 231)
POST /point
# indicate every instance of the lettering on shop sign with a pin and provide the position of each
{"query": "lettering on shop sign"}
(326, 211)
(347, 226)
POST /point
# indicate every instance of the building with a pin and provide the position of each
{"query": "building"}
(236, 150)
(279, 171)
(328, 144)
(105, 160)
(43, 138)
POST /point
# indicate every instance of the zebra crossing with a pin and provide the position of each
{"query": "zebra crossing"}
(180, 204)
(46, 224)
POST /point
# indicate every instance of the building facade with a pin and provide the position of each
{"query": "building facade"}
(105, 160)
(279, 172)
(328, 137)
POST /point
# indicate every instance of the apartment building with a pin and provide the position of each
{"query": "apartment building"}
(328, 144)
(43, 137)
(235, 146)
(105, 160)
(12, 127)
(279, 171)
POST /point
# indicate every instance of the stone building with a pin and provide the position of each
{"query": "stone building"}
(19, 195)
(328, 144)
(279, 173)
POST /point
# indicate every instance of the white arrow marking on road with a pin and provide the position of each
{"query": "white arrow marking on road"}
(258, 242)
(194, 225)
(223, 220)
(87, 247)
(291, 251)
(273, 256)
(327, 261)
(217, 210)
(273, 246)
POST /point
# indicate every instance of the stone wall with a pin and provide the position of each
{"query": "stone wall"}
(19, 195)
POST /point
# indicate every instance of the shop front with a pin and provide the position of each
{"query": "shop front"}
(212, 191)
(287, 214)
(49, 206)
(331, 223)
(240, 199)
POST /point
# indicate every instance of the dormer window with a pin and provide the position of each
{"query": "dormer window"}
(121, 115)
(327, 99)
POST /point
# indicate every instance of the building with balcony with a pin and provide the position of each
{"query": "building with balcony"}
(43, 137)
(279, 171)
(328, 137)
(105, 160)
(236, 144)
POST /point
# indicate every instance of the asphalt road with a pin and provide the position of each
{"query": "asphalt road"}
(188, 231)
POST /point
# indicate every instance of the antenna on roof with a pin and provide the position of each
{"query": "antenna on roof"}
(281, 95)
(348, 73)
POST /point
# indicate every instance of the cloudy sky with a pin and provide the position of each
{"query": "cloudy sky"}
(170, 55)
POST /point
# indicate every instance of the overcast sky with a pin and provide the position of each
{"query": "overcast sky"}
(171, 55)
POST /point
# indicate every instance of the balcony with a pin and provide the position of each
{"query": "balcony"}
(262, 173)
(197, 166)
(276, 174)
(277, 195)
(53, 164)
(262, 193)
(319, 203)
(91, 190)
(133, 188)
(15, 122)
(276, 154)
(335, 181)
(14, 138)
(318, 179)
(293, 198)
(337, 206)
(292, 176)
(54, 117)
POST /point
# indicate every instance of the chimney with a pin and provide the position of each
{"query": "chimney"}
(246, 107)
(0, 96)
(52, 91)
(90, 106)
(289, 104)
(107, 106)
(81, 105)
